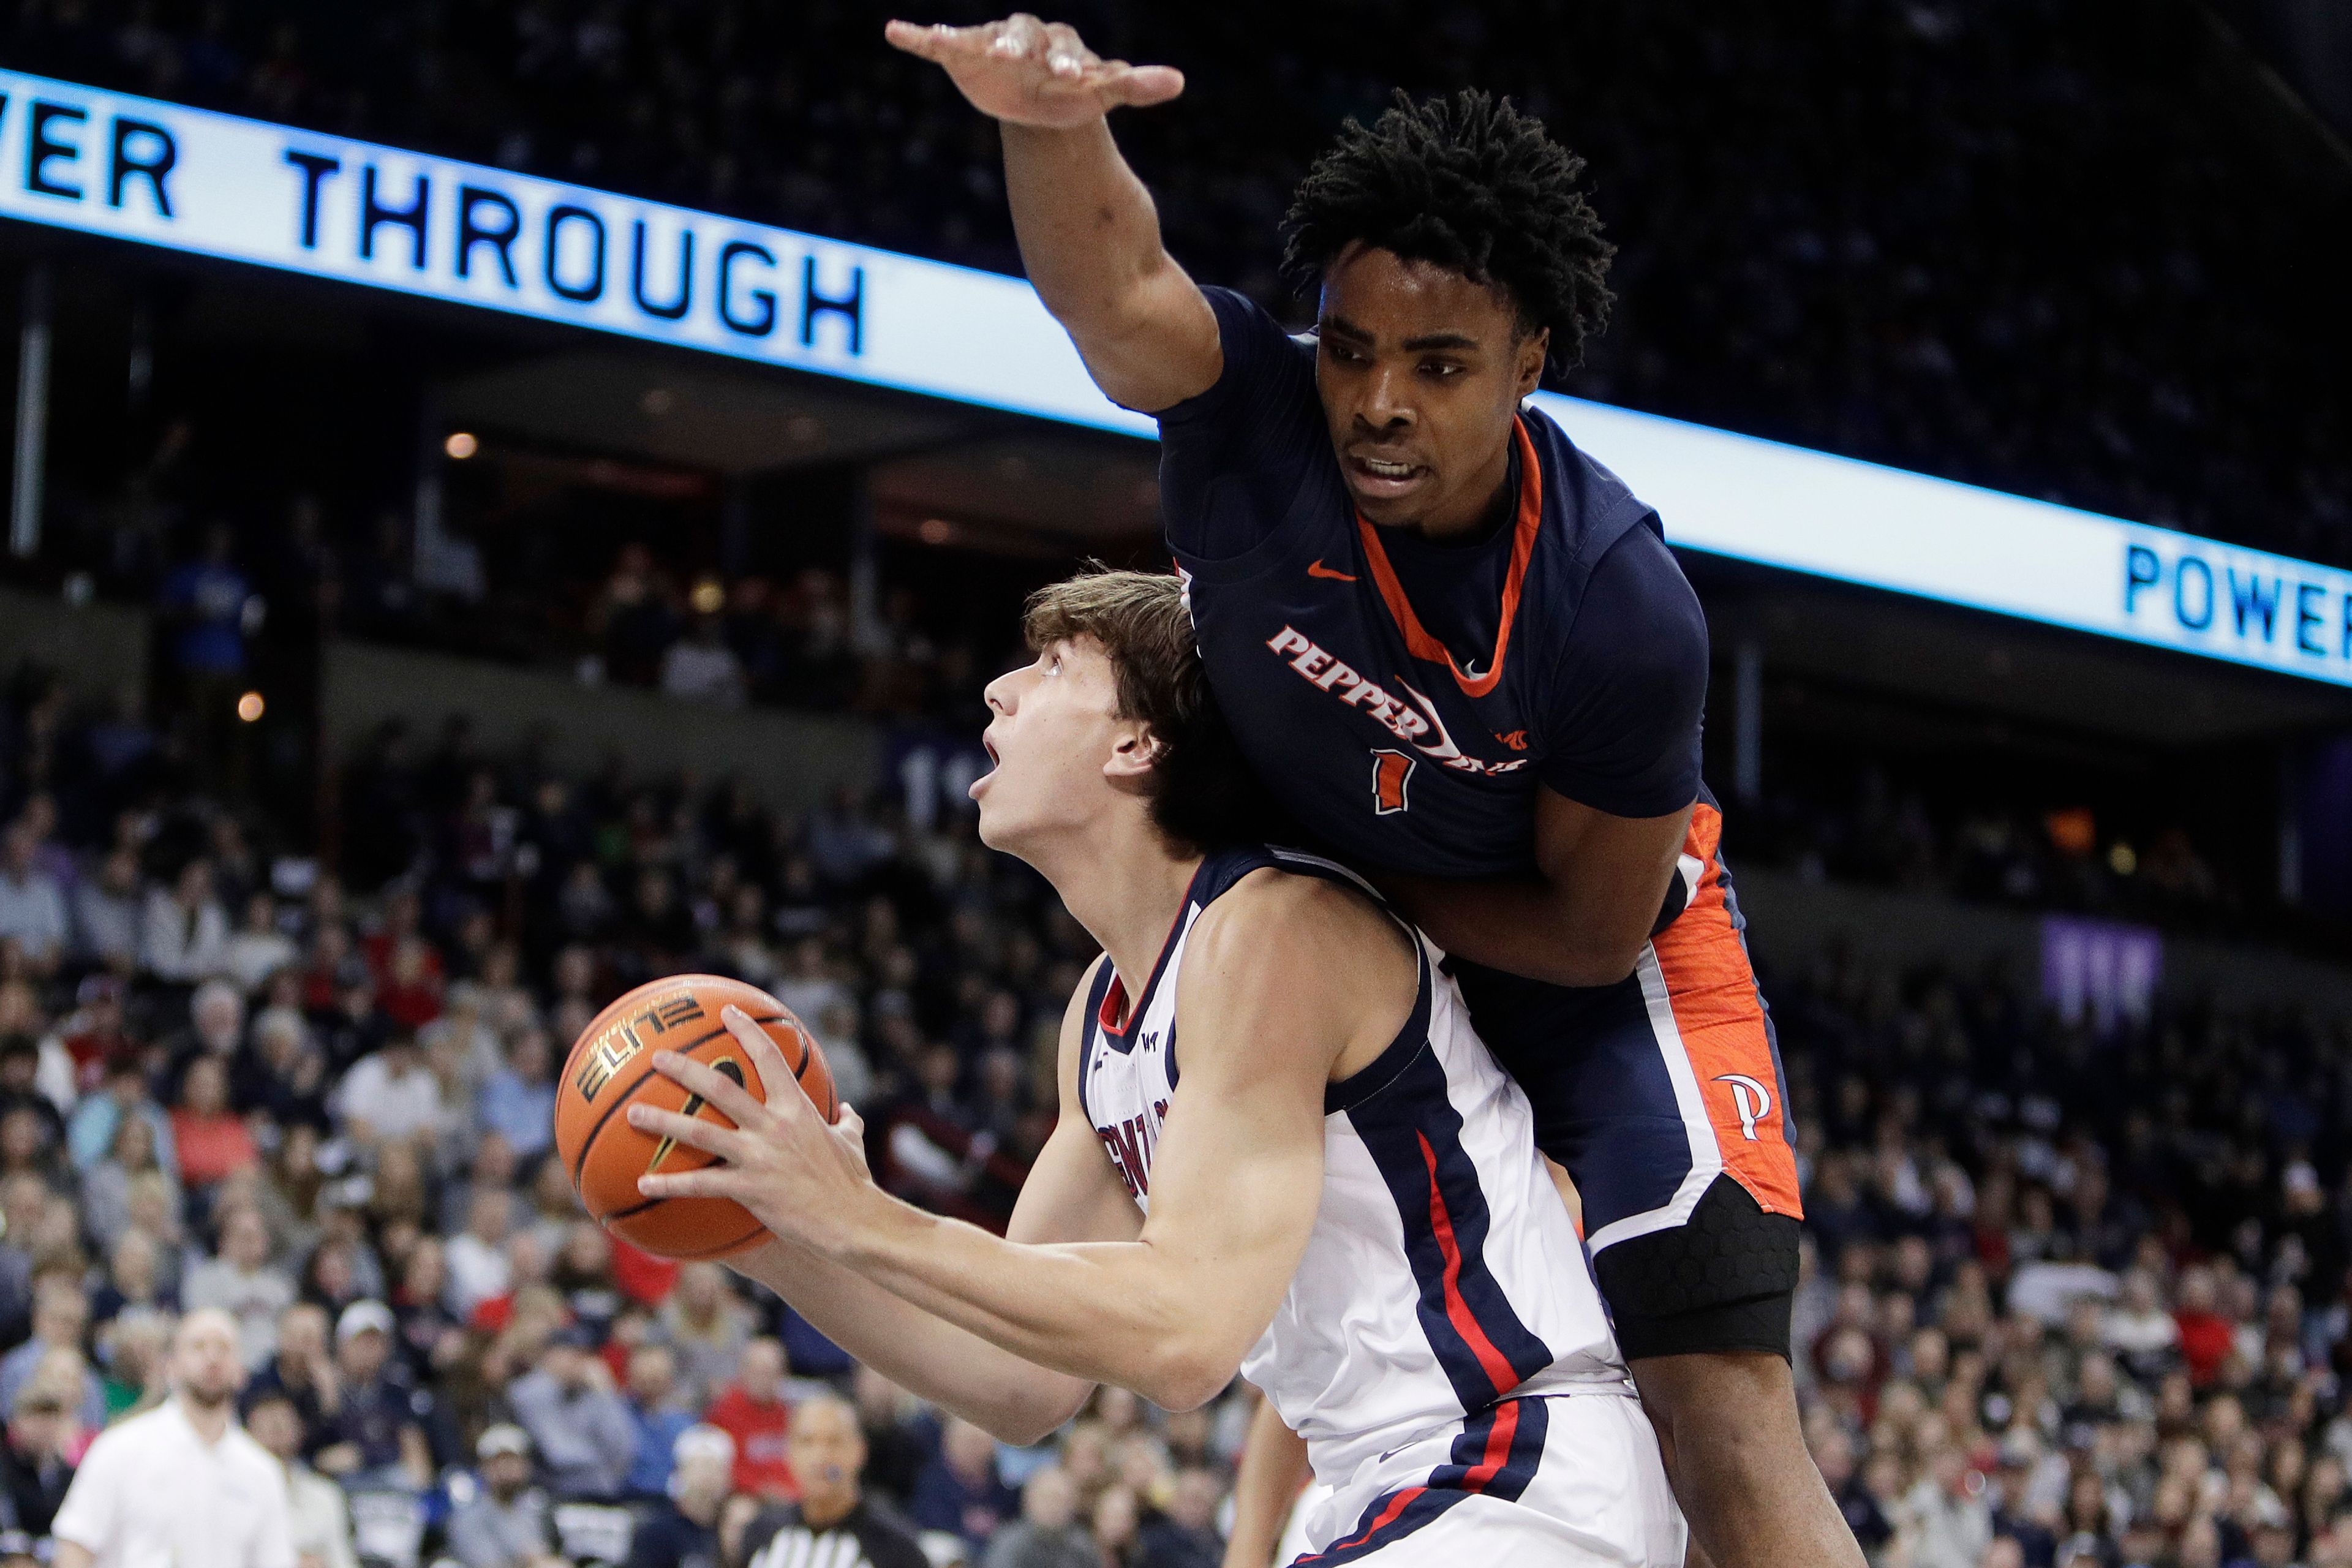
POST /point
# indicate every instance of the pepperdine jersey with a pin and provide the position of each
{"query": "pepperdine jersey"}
(1404, 699)
(1443, 1273)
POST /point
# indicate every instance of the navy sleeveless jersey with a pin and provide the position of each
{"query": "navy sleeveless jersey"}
(1404, 699)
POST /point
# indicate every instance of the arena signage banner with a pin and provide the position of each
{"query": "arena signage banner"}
(1885, 528)
(215, 184)
(243, 190)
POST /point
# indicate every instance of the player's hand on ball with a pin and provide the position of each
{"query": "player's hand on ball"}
(1028, 72)
(799, 1176)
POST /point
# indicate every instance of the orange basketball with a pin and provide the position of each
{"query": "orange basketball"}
(611, 1066)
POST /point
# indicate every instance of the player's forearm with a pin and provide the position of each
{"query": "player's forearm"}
(1015, 1400)
(1528, 928)
(1116, 1313)
(1089, 232)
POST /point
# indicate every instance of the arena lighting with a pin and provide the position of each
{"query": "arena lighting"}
(218, 186)
(461, 445)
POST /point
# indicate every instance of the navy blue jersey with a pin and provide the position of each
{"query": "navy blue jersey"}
(1403, 698)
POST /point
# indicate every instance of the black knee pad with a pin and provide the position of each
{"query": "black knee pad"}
(1724, 1279)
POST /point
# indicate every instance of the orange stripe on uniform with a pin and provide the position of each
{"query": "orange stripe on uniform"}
(1712, 988)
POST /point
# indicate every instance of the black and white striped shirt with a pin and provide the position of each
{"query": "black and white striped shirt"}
(862, 1538)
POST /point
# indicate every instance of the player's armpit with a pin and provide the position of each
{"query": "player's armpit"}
(1582, 920)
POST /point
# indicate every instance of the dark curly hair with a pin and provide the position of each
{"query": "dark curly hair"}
(1469, 184)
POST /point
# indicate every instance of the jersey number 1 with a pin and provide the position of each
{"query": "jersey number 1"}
(1391, 771)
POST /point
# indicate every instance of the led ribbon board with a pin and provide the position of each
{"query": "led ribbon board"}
(1885, 528)
(243, 190)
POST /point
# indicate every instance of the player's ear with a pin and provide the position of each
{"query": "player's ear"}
(1134, 754)
(1534, 348)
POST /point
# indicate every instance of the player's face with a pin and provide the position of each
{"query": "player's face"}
(1054, 734)
(1421, 371)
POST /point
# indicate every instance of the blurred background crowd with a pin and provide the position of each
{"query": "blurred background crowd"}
(2079, 1289)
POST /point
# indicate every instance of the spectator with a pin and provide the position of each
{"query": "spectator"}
(658, 1416)
(586, 1434)
(683, 1529)
(301, 1369)
(32, 905)
(182, 1483)
(1185, 1536)
(94, 1035)
(834, 1521)
(107, 910)
(376, 1435)
(900, 1434)
(1047, 1534)
(959, 1491)
(259, 949)
(518, 1100)
(138, 1360)
(212, 1140)
(91, 1132)
(60, 1318)
(2205, 1336)
(215, 1027)
(477, 1264)
(505, 1524)
(183, 935)
(752, 1411)
(391, 1096)
(241, 1281)
(320, 1519)
(34, 1468)
(705, 1326)
(135, 1279)
(700, 667)
(1944, 1514)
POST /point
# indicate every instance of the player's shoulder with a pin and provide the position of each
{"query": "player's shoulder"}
(1588, 511)
(1281, 906)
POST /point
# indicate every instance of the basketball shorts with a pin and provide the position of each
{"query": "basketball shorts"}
(1525, 1483)
(1663, 1098)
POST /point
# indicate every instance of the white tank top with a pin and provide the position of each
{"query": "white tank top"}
(1443, 1273)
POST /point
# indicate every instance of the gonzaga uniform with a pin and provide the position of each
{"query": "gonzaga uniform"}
(1406, 698)
(1442, 1347)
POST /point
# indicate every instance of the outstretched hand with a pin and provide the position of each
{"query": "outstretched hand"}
(801, 1177)
(1027, 72)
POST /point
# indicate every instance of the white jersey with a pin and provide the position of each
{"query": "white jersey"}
(1443, 1273)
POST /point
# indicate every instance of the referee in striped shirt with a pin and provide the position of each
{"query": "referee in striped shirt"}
(833, 1525)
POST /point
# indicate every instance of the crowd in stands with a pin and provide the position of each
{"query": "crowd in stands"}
(2035, 244)
(2075, 1297)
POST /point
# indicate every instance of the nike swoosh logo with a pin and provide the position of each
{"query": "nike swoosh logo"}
(1319, 570)
(732, 1071)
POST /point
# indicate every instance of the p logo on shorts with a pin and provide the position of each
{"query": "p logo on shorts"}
(1751, 1098)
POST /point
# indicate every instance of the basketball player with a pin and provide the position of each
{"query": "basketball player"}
(1281, 1151)
(1459, 651)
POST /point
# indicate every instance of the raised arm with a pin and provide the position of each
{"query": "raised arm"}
(1276, 995)
(1089, 235)
(1072, 1195)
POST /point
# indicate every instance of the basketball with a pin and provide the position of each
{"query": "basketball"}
(611, 1066)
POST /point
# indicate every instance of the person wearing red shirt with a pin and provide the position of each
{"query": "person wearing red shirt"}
(2205, 1334)
(410, 987)
(753, 1411)
(211, 1140)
